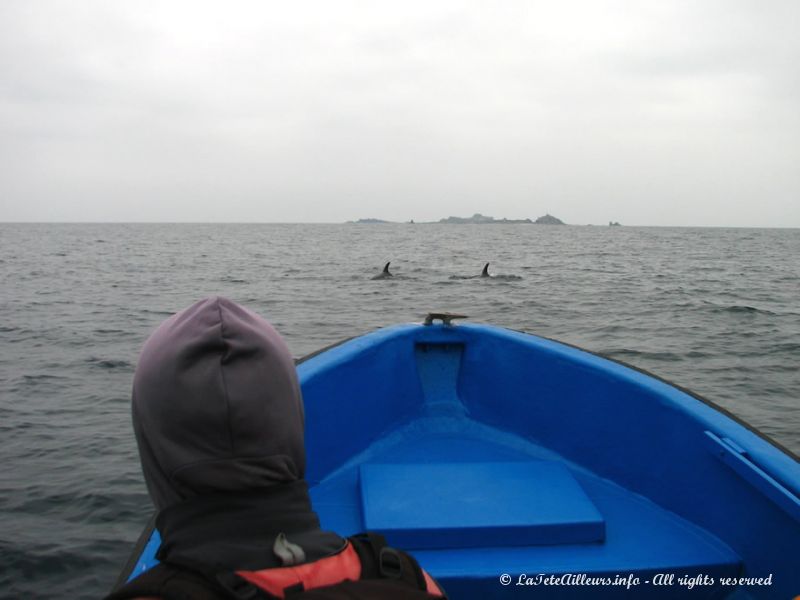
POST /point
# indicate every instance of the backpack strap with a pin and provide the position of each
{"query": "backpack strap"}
(381, 561)
(366, 556)
(283, 582)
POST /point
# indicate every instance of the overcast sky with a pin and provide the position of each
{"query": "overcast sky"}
(644, 112)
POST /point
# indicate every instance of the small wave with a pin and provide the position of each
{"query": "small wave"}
(744, 309)
(611, 329)
(626, 353)
(52, 303)
(784, 348)
(489, 278)
(76, 505)
(506, 277)
(41, 377)
(47, 559)
(106, 363)
(228, 279)
(41, 383)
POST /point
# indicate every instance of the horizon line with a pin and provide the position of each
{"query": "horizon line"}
(385, 222)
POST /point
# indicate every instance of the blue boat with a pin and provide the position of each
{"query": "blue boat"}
(513, 464)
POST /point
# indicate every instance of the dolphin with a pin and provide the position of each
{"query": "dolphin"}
(385, 274)
(485, 272)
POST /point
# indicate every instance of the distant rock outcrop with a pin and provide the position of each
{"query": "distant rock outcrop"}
(548, 220)
(476, 218)
(480, 219)
(370, 221)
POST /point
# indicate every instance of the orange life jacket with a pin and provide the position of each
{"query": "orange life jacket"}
(365, 565)
(345, 565)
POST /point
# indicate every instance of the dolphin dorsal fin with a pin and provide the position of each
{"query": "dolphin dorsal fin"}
(485, 272)
(386, 268)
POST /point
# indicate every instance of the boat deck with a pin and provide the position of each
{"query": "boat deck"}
(637, 539)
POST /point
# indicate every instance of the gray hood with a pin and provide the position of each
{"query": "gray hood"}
(216, 405)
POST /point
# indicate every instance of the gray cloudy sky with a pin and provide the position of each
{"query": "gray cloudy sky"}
(647, 112)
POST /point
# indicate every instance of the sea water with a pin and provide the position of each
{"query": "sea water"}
(713, 310)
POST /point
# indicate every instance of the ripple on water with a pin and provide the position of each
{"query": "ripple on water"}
(107, 363)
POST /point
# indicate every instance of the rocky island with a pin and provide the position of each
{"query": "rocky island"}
(476, 219)
(480, 219)
(549, 220)
(370, 221)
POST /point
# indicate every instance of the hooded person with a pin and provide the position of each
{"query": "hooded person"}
(218, 418)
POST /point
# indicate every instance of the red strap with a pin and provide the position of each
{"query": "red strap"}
(326, 571)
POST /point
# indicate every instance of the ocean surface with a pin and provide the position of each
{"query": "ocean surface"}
(713, 310)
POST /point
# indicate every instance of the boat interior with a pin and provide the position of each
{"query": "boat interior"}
(488, 452)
